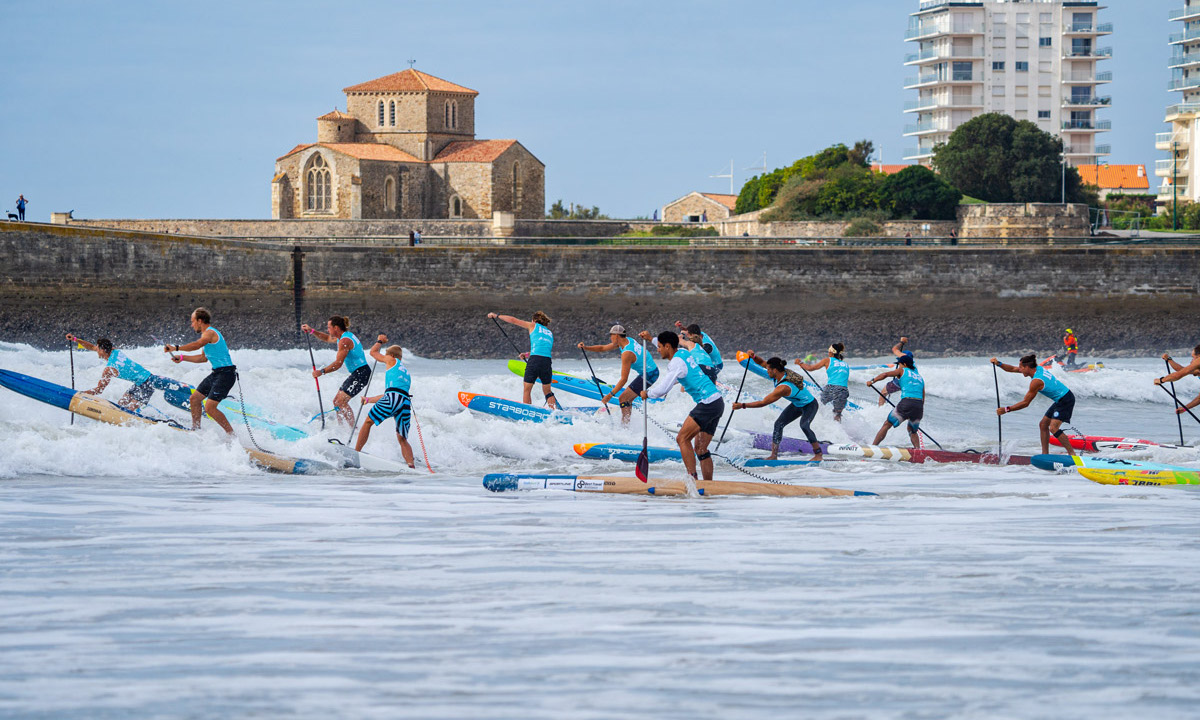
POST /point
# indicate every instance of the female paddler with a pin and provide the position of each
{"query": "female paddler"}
(912, 399)
(537, 367)
(1179, 373)
(631, 357)
(837, 378)
(395, 401)
(1061, 398)
(801, 405)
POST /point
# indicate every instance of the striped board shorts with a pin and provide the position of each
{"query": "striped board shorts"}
(393, 404)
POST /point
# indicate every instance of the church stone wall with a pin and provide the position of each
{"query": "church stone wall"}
(533, 190)
(411, 120)
(473, 183)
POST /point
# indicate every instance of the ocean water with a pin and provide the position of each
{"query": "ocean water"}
(146, 572)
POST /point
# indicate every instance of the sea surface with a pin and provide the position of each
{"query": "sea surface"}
(152, 573)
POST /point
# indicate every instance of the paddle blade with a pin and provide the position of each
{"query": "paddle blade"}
(642, 468)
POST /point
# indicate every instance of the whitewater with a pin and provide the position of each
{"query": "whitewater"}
(147, 572)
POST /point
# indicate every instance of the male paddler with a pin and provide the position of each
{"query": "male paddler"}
(899, 351)
(350, 353)
(1071, 347)
(697, 431)
(118, 365)
(631, 359)
(1180, 372)
(214, 388)
(912, 399)
(1062, 400)
(396, 401)
(541, 343)
(708, 356)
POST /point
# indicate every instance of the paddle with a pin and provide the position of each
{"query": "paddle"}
(999, 418)
(920, 430)
(738, 397)
(362, 403)
(71, 349)
(1178, 417)
(1176, 399)
(597, 380)
(506, 337)
(313, 360)
(642, 468)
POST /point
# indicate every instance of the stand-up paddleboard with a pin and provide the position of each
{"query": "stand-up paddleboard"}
(97, 408)
(1115, 471)
(508, 482)
(576, 385)
(1054, 463)
(743, 359)
(1099, 443)
(630, 453)
(181, 398)
(513, 410)
(351, 458)
(918, 455)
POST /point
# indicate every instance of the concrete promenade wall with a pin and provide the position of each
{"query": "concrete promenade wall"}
(956, 298)
(365, 228)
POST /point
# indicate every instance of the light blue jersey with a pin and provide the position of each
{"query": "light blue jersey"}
(838, 373)
(912, 385)
(797, 396)
(1052, 387)
(397, 377)
(706, 358)
(696, 384)
(218, 352)
(541, 340)
(356, 358)
(128, 369)
(640, 355)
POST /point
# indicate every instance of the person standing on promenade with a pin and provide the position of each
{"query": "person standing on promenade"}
(912, 400)
(708, 355)
(801, 405)
(899, 351)
(538, 367)
(21, 203)
(214, 388)
(416, 237)
(1062, 400)
(837, 378)
(701, 423)
(118, 365)
(349, 352)
(631, 357)
(396, 400)
(1180, 372)
(412, 238)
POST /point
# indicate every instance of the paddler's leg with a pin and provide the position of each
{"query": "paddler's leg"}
(808, 412)
(686, 433)
(196, 405)
(892, 422)
(548, 392)
(527, 394)
(787, 417)
(363, 433)
(214, 412)
(626, 402)
(706, 417)
(351, 387)
(341, 404)
(706, 463)
(913, 435)
(403, 423)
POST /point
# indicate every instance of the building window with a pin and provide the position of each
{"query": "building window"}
(446, 122)
(389, 195)
(998, 66)
(997, 91)
(380, 113)
(1022, 66)
(454, 114)
(318, 185)
(1045, 42)
(455, 207)
(392, 113)
(1043, 114)
(518, 190)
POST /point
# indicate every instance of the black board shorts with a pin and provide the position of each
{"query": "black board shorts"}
(642, 382)
(708, 415)
(219, 382)
(141, 394)
(1063, 408)
(357, 381)
(538, 369)
(910, 409)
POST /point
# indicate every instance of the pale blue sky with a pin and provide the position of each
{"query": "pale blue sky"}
(179, 109)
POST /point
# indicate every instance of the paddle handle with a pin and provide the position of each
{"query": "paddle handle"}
(312, 359)
(1178, 417)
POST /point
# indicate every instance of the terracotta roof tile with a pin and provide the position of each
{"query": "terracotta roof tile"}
(362, 151)
(1115, 177)
(888, 169)
(336, 115)
(409, 80)
(474, 150)
(727, 200)
(293, 151)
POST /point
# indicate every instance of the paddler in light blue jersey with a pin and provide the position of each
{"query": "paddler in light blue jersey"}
(396, 400)
(837, 378)
(705, 352)
(801, 404)
(214, 388)
(1062, 400)
(697, 431)
(349, 352)
(118, 365)
(537, 366)
(1179, 372)
(631, 358)
(912, 400)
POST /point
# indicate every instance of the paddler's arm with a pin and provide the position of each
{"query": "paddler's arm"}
(776, 394)
(1166, 356)
(675, 371)
(757, 360)
(1189, 406)
(1005, 368)
(1180, 372)
(813, 366)
(898, 348)
(323, 337)
(105, 378)
(81, 343)
(206, 337)
(886, 374)
(344, 346)
(627, 359)
(597, 348)
(381, 357)
(512, 321)
(1034, 388)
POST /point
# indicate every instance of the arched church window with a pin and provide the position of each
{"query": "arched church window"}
(447, 119)
(455, 207)
(392, 113)
(380, 113)
(454, 114)
(318, 185)
(518, 189)
(389, 195)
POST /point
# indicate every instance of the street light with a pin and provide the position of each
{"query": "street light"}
(1175, 185)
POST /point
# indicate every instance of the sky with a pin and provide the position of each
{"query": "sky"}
(160, 109)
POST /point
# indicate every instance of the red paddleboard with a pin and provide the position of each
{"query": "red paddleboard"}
(1096, 443)
(942, 456)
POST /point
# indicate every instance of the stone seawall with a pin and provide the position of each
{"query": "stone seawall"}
(961, 299)
(299, 229)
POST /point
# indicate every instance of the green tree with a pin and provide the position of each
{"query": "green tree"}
(747, 200)
(847, 189)
(917, 192)
(558, 211)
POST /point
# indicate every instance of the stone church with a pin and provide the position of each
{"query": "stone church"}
(405, 148)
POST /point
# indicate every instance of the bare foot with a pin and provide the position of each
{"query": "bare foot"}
(773, 456)
(818, 457)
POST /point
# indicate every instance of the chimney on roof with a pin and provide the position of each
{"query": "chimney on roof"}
(1141, 171)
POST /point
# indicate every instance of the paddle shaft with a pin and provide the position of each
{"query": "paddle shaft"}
(506, 337)
(313, 360)
(1176, 399)
(736, 399)
(71, 351)
(595, 380)
(363, 402)
(810, 377)
(999, 418)
(642, 466)
(920, 430)
(1178, 417)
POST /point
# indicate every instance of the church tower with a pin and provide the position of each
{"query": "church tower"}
(412, 111)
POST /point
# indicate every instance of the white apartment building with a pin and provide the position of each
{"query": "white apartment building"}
(1185, 78)
(1035, 60)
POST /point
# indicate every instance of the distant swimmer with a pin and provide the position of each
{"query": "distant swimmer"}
(1061, 398)
(214, 388)
(899, 351)
(837, 378)
(118, 365)
(349, 352)
(1182, 371)
(701, 423)
(631, 358)
(538, 367)
(708, 355)
(1071, 348)
(396, 400)
(801, 404)
(912, 399)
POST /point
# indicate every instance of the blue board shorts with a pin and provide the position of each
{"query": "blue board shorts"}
(641, 382)
(394, 403)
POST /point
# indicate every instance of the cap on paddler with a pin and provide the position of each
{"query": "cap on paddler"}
(617, 330)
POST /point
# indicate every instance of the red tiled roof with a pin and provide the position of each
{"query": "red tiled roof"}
(727, 200)
(888, 169)
(336, 115)
(1115, 177)
(474, 150)
(293, 151)
(362, 151)
(409, 80)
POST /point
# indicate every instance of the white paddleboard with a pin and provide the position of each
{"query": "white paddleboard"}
(351, 458)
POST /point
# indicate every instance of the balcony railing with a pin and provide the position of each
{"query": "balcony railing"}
(1188, 35)
(1101, 77)
(1183, 109)
(1070, 53)
(1181, 13)
(1103, 150)
(1087, 125)
(925, 127)
(1171, 166)
(931, 4)
(1184, 83)
(920, 31)
(1171, 141)
(1179, 60)
(1087, 101)
(1087, 28)
(914, 153)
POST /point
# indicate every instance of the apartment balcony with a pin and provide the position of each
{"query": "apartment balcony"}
(1184, 14)
(1171, 141)
(1188, 83)
(1087, 78)
(1094, 101)
(1172, 166)
(925, 56)
(920, 153)
(1087, 125)
(924, 128)
(1103, 150)
(924, 32)
(1070, 53)
(927, 5)
(1190, 110)
(1190, 35)
(1180, 60)
(1166, 193)
(1088, 29)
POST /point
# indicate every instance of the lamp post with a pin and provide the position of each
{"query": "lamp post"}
(1175, 185)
